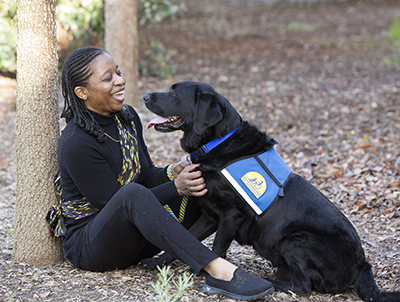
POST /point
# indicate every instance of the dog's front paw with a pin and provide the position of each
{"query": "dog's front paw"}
(150, 263)
(220, 252)
(157, 261)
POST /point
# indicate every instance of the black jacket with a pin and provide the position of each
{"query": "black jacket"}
(89, 168)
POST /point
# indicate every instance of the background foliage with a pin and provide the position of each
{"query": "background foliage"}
(81, 18)
(84, 19)
(395, 31)
(8, 32)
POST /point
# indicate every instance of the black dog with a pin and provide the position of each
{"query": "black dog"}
(312, 244)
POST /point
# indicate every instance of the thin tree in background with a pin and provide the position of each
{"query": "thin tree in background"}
(37, 131)
(121, 41)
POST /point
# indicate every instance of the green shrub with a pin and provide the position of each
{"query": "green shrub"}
(297, 26)
(395, 31)
(163, 286)
(83, 19)
(157, 60)
(8, 33)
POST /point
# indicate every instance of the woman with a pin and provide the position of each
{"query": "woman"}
(111, 210)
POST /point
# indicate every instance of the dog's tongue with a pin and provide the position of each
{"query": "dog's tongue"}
(157, 120)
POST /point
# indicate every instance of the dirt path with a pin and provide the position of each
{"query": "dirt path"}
(323, 79)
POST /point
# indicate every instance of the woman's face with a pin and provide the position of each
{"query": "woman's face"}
(105, 91)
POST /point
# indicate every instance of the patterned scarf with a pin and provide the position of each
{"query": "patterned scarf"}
(78, 209)
(129, 147)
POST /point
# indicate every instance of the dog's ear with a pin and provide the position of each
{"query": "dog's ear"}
(208, 112)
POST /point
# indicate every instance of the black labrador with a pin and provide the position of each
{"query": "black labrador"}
(308, 239)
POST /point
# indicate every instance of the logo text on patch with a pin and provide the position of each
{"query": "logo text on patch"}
(255, 182)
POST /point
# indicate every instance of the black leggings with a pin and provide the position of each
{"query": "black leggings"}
(134, 225)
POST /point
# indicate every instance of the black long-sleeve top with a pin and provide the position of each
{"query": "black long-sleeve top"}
(90, 168)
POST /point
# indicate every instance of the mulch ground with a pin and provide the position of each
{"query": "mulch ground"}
(323, 79)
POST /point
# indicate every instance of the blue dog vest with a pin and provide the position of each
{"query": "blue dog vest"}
(258, 179)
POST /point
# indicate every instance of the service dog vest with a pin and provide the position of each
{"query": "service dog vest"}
(259, 179)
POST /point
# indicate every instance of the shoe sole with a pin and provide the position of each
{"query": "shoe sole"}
(209, 290)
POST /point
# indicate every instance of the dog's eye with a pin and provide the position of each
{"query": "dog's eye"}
(171, 93)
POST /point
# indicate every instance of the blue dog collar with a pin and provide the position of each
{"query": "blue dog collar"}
(203, 150)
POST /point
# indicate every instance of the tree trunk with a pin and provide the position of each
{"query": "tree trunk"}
(121, 42)
(37, 131)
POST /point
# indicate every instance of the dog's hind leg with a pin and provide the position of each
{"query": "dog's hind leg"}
(299, 284)
(283, 271)
(294, 264)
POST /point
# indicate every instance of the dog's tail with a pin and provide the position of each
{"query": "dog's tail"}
(367, 289)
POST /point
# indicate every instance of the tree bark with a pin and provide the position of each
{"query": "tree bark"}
(121, 42)
(37, 132)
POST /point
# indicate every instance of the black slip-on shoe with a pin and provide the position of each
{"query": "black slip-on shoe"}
(242, 286)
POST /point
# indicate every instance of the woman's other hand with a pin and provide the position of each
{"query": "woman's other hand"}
(190, 182)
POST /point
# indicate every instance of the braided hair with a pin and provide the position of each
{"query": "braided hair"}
(76, 71)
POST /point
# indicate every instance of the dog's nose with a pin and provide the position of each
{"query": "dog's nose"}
(147, 98)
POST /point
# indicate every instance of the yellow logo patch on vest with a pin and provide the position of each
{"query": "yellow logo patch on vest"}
(255, 183)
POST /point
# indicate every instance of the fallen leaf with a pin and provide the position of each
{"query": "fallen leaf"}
(45, 294)
(364, 145)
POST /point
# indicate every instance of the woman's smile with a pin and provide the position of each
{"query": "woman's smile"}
(119, 96)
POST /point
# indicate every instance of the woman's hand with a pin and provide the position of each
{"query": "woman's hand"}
(178, 167)
(190, 182)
